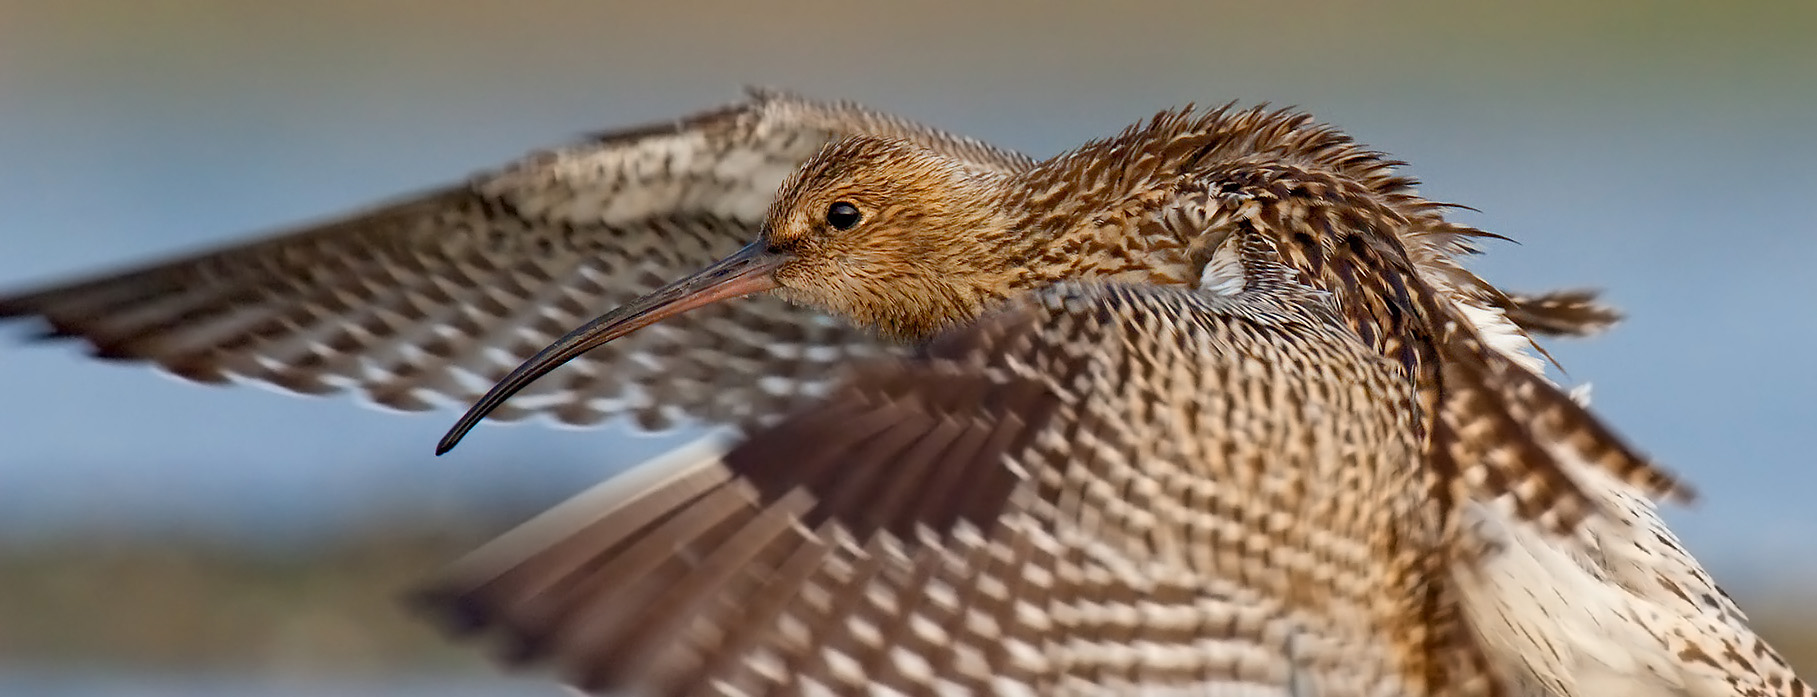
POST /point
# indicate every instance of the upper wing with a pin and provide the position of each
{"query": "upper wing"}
(1096, 490)
(438, 296)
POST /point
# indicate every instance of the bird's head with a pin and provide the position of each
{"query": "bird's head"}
(886, 234)
(889, 236)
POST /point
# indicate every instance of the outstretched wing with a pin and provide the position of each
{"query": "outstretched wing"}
(1096, 490)
(436, 297)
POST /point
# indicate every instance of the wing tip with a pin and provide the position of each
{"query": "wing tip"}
(448, 610)
(1571, 312)
(468, 617)
(124, 350)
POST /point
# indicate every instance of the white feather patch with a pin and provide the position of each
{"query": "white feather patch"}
(1502, 335)
(1223, 274)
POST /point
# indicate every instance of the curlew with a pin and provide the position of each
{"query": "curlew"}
(1208, 407)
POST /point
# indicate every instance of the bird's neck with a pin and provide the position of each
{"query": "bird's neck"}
(995, 238)
(1051, 241)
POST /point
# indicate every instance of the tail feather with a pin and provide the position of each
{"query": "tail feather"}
(1500, 421)
(1574, 312)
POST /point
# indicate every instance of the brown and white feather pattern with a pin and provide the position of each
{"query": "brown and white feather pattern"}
(1157, 196)
(1618, 607)
(1099, 490)
(432, 299)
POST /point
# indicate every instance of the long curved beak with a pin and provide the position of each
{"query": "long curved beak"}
(749, 270)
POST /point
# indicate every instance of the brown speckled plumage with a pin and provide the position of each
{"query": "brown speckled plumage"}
(1208, 407)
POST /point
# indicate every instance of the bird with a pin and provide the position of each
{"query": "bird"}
(1208, 407)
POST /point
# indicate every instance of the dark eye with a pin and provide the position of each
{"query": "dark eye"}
(842, 215)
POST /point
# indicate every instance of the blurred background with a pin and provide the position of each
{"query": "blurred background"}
(161, 538)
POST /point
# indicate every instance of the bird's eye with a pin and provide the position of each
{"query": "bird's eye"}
(842, 215)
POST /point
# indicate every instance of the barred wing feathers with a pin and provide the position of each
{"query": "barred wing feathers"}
(433, 298)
